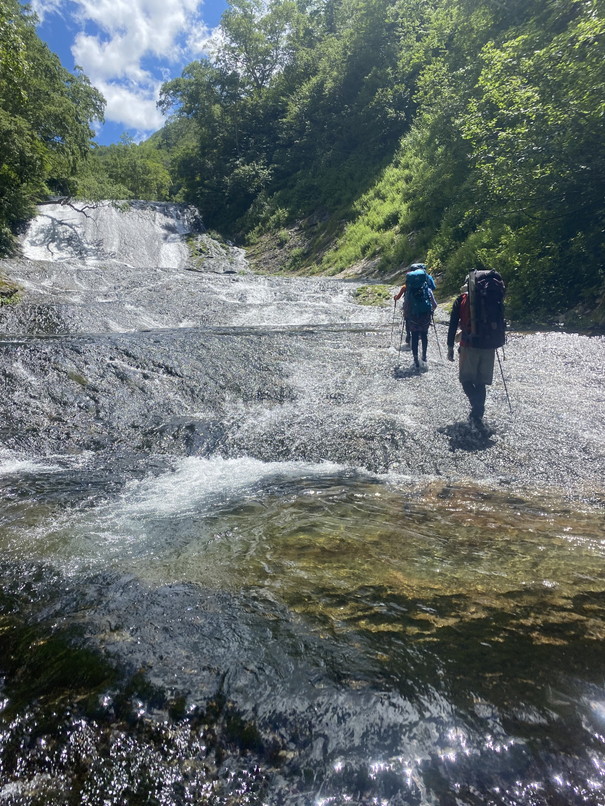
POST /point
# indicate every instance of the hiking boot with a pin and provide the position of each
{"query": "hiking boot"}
(424, 358)
(416, 363)
(476, 422)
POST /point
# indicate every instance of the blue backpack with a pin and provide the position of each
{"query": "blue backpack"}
(417, 295)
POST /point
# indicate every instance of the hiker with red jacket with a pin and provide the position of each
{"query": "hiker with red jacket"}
(479, 313)
(418, 306)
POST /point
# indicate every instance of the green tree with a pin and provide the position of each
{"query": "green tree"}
(125, 170)
(233, 109)
(45, 119)
(536, 128)
(257, 41)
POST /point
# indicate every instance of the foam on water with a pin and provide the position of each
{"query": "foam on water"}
(203, 484)
(127, 528)
(137, 262)
(13, 464)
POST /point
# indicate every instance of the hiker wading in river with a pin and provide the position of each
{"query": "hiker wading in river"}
(418, 306)
(479, 312)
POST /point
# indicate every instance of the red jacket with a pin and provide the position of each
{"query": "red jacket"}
(460, 316)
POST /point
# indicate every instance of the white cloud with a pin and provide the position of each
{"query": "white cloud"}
(150, 26)
(134, 107)
(128, 48)
(44, 7)
(107, 59)
(204, 41)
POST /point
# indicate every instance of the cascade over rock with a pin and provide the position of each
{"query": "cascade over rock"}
(139, 234)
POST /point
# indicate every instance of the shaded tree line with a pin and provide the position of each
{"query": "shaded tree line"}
(124, 171)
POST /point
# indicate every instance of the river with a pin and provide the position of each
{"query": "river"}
(250, 556)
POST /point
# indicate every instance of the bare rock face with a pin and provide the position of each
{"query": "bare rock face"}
(207, 254)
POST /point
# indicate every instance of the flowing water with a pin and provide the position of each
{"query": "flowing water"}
(250, 556)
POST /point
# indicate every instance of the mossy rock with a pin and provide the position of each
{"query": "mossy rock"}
(9, 291)
(380, 295)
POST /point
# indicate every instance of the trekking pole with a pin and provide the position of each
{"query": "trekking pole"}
(402, 329)
(393, 323)
(436, 337)
(503, 381)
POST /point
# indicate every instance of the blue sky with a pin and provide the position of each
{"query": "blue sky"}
(128, 48)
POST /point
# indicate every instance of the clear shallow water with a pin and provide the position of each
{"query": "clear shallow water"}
(379, 638)
(249, 555)
(193, 516)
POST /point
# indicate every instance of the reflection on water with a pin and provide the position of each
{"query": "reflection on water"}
(334, 637)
